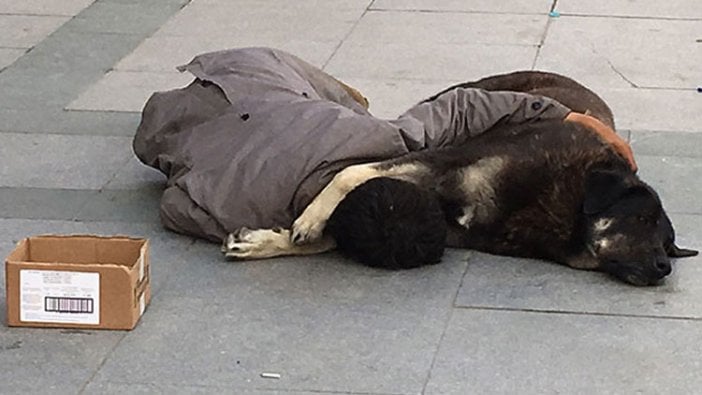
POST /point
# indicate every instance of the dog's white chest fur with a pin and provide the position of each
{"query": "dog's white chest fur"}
(477, 182)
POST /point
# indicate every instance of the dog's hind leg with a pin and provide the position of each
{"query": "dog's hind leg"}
(247, 244)
(309, 226)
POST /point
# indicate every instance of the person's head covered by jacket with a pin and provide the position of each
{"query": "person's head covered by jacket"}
(390, 224)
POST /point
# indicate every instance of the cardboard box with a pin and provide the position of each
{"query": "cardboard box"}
(78, 282)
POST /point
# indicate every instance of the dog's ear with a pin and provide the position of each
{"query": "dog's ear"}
(674, 251)
(667, 233)
(602, 189)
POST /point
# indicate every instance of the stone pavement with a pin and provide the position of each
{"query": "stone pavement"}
(75, 73)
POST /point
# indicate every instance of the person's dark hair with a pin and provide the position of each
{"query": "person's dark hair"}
(390, 224)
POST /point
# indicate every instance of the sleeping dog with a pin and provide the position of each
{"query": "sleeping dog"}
(548, 190)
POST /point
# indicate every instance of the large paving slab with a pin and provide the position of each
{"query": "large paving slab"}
(463, 28)
(43, 203)
(321, 322)
(390, 98)
(136, 175)
(654, 109)
(59, 68)
(118, 205)
(625, 52)
(432, 61)
(125, 17)
(500, 352)
(661, 143)
(164, 53)
(676, 179)
(315, 21)
(38, 85)
(104, 388)
(44, 7)
(60, 161)
(123, 205)
(495, 282)
(58, 361)
(683, 9)
(24, 31)
(127, 90)
(9, 55)
(57, 121)
(517, 6)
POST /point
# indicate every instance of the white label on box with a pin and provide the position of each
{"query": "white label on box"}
(59, 297)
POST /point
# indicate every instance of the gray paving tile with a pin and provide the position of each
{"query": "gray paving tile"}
(54, 360)
(69, 50)
(515, 6)
(429, 60)
(497, 352)
(54, 120)
(141, 388)
(24, 31)
(300, 4)
(68, 61)
(510, 283)
(642, 8)
(606, 53)
(322, 323)
(59, 68)
(59, 161)
(125, 17)
(136, 175)
(456, 28)
(164, 53)
(44, 7)
(127, 91)
(389, 98)
(654, 109)
(123, 205)
(676, 179)
(9, 55)
(666, 143)
(315, 21)
(42, 203)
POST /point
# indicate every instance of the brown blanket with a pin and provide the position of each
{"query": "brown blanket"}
(260, 132)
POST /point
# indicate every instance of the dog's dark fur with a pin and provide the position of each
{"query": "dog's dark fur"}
(548, 190)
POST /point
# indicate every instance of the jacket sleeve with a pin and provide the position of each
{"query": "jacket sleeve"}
(462, 113)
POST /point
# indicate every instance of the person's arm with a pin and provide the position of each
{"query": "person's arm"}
(459, 114)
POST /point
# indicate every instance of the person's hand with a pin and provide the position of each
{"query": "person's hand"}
(606, 133)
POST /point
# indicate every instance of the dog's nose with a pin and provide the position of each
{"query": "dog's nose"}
(663, 268)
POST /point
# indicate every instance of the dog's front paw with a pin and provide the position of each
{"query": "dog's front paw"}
(306, 229)
(246, 243)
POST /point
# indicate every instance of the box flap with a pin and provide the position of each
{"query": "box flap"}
(81, 249)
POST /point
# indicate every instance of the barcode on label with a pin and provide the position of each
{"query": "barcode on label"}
(68, 305)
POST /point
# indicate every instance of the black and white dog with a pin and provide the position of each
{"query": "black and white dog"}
(549, 190)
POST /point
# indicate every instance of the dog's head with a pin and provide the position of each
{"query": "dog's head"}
(628, 231)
